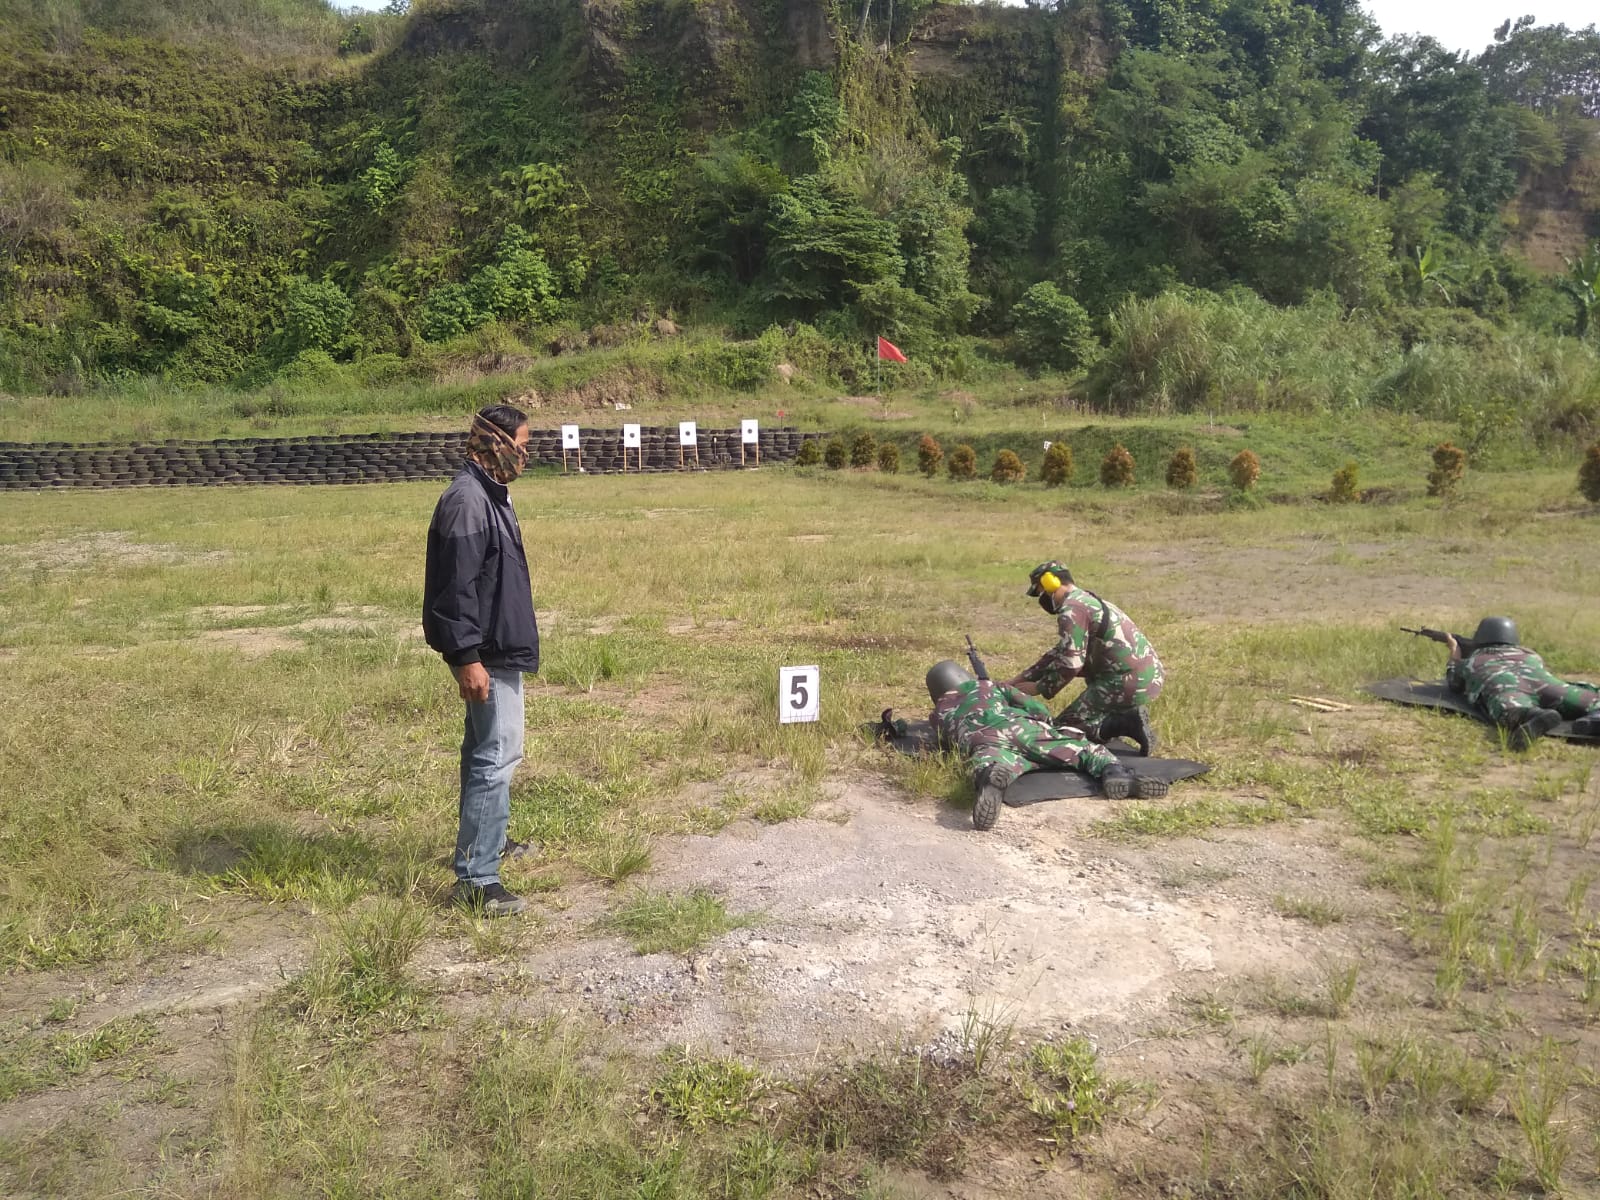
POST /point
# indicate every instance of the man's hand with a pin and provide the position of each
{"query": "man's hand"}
(473, 680)
(1026, 686)
(1455, 647)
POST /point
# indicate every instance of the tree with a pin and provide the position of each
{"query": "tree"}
(1544, 67)
(1582, 282)
(1058, 466)
(1182, 471)
(1449, 465)
(1008, 468)
(1345, 488)
(1589, 475)
(1244, 470)
(963, 462)
(929, 455)
(1116, 469)
(863, 450)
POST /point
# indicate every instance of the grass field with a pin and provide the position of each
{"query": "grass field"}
(228, 764)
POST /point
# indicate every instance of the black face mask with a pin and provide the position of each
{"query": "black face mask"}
(1047, 601)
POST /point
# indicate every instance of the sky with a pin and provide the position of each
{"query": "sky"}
(1469, 25)
(1466, 25)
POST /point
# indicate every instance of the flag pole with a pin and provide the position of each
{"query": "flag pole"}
(877, 375)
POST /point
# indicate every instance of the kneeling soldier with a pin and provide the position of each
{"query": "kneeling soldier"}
(1098, 641)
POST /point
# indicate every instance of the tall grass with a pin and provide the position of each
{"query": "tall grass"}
(1192, 351)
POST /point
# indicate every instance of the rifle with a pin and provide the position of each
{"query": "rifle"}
(978, 669)
(1466, 644)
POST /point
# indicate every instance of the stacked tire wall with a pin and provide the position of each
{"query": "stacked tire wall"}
(363, 458)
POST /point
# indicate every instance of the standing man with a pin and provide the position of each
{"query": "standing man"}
(477, 611)
(1512, 687)
(1096, 640)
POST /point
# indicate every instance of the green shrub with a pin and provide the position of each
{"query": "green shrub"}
(1589, 475)
(1051, 329)
(963, 462)
(889, 458)
(1345, 487)
(810, 453)
(1058, 465)
(834, 454)
(311, 370)
(929, 455)
(1182, 471)
(315, 315)
(1007, 468)
(1449, 465)
(1116, 469)
(863, 450)
(1244, 470)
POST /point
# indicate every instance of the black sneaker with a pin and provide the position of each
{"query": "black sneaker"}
(991, 789)
(491, 900)
(1533, 727)
(516, 849)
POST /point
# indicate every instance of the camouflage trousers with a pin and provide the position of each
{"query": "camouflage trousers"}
(1007, 732)
(1107, 694)
(1012, 752)
(1507, 696)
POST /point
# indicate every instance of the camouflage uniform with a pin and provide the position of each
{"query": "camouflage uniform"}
(1118, 665)
(1009, 731)
(1508, 682)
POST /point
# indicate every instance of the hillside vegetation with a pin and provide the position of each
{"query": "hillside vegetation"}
(1202, 205)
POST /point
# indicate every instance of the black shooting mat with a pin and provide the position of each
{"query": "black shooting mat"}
(1419, 694)
(1045, 783)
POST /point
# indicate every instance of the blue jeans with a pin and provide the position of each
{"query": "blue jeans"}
(490, 752)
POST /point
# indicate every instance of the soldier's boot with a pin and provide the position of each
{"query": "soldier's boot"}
(1133, 724)
(1533, 727)
(990, 784)
(1588, 726)
(1118, 783)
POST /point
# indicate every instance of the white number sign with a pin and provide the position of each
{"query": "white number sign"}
(630, 437)
(798, 695)
(569, 437)
(686, 434)
(749, 432)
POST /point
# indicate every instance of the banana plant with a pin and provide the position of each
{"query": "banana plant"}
(1433, 271)
(1583, 281)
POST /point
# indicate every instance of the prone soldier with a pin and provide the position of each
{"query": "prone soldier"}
(1004, 732)
(1512, 687)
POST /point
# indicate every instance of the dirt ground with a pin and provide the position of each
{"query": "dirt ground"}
(881, 921)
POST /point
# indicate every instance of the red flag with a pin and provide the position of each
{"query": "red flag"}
(887, 350)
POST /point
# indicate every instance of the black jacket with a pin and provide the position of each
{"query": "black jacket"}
(477, 602)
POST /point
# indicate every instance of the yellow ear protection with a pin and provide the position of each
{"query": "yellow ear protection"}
(1048, 583)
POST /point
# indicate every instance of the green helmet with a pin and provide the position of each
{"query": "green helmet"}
(945, 677)
(1497, 631)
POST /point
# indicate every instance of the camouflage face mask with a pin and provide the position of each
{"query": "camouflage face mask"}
(496, 451)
